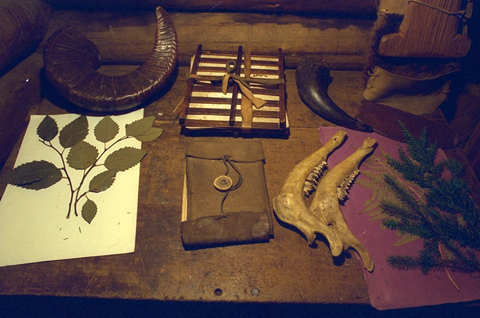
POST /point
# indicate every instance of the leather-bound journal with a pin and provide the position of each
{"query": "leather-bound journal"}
(225, 199)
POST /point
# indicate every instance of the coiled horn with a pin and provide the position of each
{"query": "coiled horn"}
(71, 62)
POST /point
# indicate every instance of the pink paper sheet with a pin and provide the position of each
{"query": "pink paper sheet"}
(390, 288)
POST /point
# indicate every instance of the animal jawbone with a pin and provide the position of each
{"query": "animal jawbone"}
(324, 215)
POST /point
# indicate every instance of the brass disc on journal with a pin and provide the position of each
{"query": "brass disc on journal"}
(223, 183)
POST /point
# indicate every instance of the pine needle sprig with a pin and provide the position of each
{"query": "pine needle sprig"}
(430, 259)
(404, 263)
(402, 193)
(419, 148)
(446, 217)
(416, 165)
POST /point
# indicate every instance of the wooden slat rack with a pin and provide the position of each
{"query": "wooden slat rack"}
(207, 110)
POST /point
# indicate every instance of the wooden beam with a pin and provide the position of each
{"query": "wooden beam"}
(22, 27)
(127, 37)
(350, 7)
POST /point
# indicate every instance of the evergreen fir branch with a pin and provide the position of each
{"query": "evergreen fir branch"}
(402, 193)
(427, 259)
(448, 195)
(419, 148)
(455, 167)
(426, 265)
(445, 215)
(410, 172)
(452, 197)
(398, 211)
(373, 173)
(373, 180)
(392, 224)
(403, 262)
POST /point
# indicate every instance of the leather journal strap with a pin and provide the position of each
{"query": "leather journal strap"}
(225, 196)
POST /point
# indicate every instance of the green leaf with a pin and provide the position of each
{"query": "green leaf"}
(124, 158)
(34, 175)
(139, 127)
(150, 135)
(106, 129)
(102, 181)
(74, 132)
(89, 211)
(82, 155)
(47, 129)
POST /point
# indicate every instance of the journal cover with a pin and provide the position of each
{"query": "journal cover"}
(225, 194)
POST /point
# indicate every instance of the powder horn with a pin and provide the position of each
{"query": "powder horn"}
(313, 78)
(71, 62)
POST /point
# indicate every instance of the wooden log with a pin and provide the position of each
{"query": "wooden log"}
(354, 7)
(340, 43)
(22, 26)
(20, 90)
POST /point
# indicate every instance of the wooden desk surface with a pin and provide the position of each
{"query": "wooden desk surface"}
(284, 270)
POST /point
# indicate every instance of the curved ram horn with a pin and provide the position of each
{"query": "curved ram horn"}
(71, 62)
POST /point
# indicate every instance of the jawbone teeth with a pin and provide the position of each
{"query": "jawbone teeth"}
(324, 215)
(310, 184)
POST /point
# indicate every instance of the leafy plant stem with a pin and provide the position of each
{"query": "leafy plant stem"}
(77, 153)
(64, 168)
(86, 173)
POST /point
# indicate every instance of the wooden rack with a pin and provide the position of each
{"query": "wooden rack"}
(206, 109)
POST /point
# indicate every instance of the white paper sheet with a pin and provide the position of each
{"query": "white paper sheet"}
(33, 223)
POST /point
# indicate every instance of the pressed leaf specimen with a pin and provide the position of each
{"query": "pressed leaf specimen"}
(77, 154)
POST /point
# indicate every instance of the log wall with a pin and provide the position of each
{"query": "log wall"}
(126, 37)
(341, 43)
(337, 32)
(343, 7)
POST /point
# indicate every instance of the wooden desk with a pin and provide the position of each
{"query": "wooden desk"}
(284, 271)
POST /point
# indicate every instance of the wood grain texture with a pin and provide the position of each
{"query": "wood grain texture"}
(22, 27)
(430, 28)
(20, 90)
(218, 108)
(286, 270)
(352, 7)
(341, 43)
